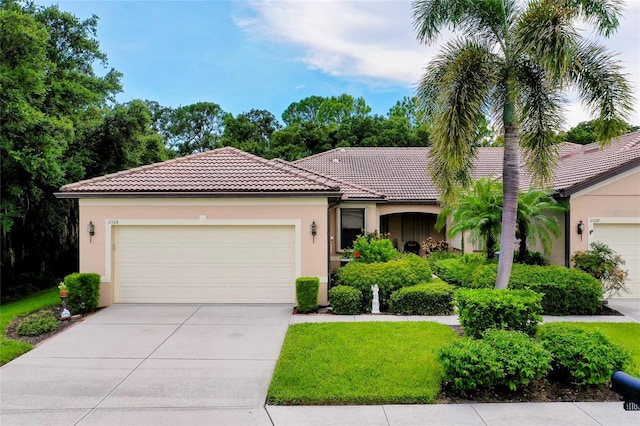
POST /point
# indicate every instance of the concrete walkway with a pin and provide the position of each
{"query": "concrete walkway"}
(211, 365)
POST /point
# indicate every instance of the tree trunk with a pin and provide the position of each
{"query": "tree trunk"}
(510, 179)
(491, 242)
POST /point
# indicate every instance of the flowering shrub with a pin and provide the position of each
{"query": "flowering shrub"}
(373, 247)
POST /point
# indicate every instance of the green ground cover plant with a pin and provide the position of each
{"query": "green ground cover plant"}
(11, 349)
(360, 363)
(507, 359)
(624, 335)
(582, 357)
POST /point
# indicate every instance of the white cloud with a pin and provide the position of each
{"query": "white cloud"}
(374, 41)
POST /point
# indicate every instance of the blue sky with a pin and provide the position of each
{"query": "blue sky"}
(267, 54)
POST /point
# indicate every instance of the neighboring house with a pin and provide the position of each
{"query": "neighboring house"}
(225, 226)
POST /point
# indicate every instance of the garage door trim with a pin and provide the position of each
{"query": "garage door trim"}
(110, 223)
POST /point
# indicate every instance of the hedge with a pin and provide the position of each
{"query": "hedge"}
(84, 292)
(423, 299)
(501, 358)
(390, 276)
(307, 294)
(345, 300)
(457, 271)
(483, 309)
(566, 291)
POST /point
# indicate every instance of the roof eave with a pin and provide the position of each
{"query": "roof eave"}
(194, 194)
(599, 178)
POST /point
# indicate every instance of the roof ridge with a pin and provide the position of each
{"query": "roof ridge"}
(363, 188)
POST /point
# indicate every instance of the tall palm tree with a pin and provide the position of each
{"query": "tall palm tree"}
(534, 221)
(514, 59)
(478, 211)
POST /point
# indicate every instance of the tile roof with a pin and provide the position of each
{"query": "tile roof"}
(401, 174)
(589, 162)
(350, 191)
(390, 174)
(223, 170)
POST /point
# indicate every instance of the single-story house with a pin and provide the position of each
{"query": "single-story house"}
(225, 226)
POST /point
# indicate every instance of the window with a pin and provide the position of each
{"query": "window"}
(351, 225)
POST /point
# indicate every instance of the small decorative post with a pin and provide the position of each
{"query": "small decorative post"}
(375, 305)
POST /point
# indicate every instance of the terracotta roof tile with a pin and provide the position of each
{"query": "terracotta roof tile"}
(220, 170)
(401, 174)
(591, 161)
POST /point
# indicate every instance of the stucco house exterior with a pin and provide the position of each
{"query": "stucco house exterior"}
(225, 226)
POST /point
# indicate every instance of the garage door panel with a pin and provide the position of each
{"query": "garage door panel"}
(210, 264)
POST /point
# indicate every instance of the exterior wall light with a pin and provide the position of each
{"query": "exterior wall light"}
(580, 229)
(314, 230)
(91, 229)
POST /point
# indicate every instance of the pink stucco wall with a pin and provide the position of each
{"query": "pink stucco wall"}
(619, 197)
(313, 253)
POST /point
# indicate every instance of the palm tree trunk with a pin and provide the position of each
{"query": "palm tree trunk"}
(510, 180)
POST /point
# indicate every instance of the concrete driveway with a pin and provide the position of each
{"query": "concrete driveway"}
(150, 365)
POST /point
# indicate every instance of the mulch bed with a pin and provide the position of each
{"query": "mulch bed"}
(12, 334)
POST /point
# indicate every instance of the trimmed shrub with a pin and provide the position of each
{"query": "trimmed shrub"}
(345, 300)
(566, 291)
(389, 276)
(37, 323)
(457, 271)
(501, 358)
(423, 299)
(373, 247)
(307, 294)
(436, 256)
(585, 358)
(483, 309)
(84, 292)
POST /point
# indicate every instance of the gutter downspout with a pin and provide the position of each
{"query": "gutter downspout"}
(567, 235)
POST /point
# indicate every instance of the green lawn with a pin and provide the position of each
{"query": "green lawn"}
(10, 349)
(360, 363)
(626, 335)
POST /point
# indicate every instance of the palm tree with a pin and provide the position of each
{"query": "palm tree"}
(534, 222)
(514, 59)
(477, 211)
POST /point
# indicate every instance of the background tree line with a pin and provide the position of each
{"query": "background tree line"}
(60, 123)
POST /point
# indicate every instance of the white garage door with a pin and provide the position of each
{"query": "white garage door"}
(625, 240)
(204, 264)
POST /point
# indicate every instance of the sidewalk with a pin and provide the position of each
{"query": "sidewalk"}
(481, 414)
(508, 414)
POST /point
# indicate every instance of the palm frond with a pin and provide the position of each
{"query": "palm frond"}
(489, 20)
(540, 106)
(602, 14)
(603, 88)
(456, 84)
(546, 33)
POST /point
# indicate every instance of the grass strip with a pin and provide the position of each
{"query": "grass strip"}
(11, 349)
(360, 363)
